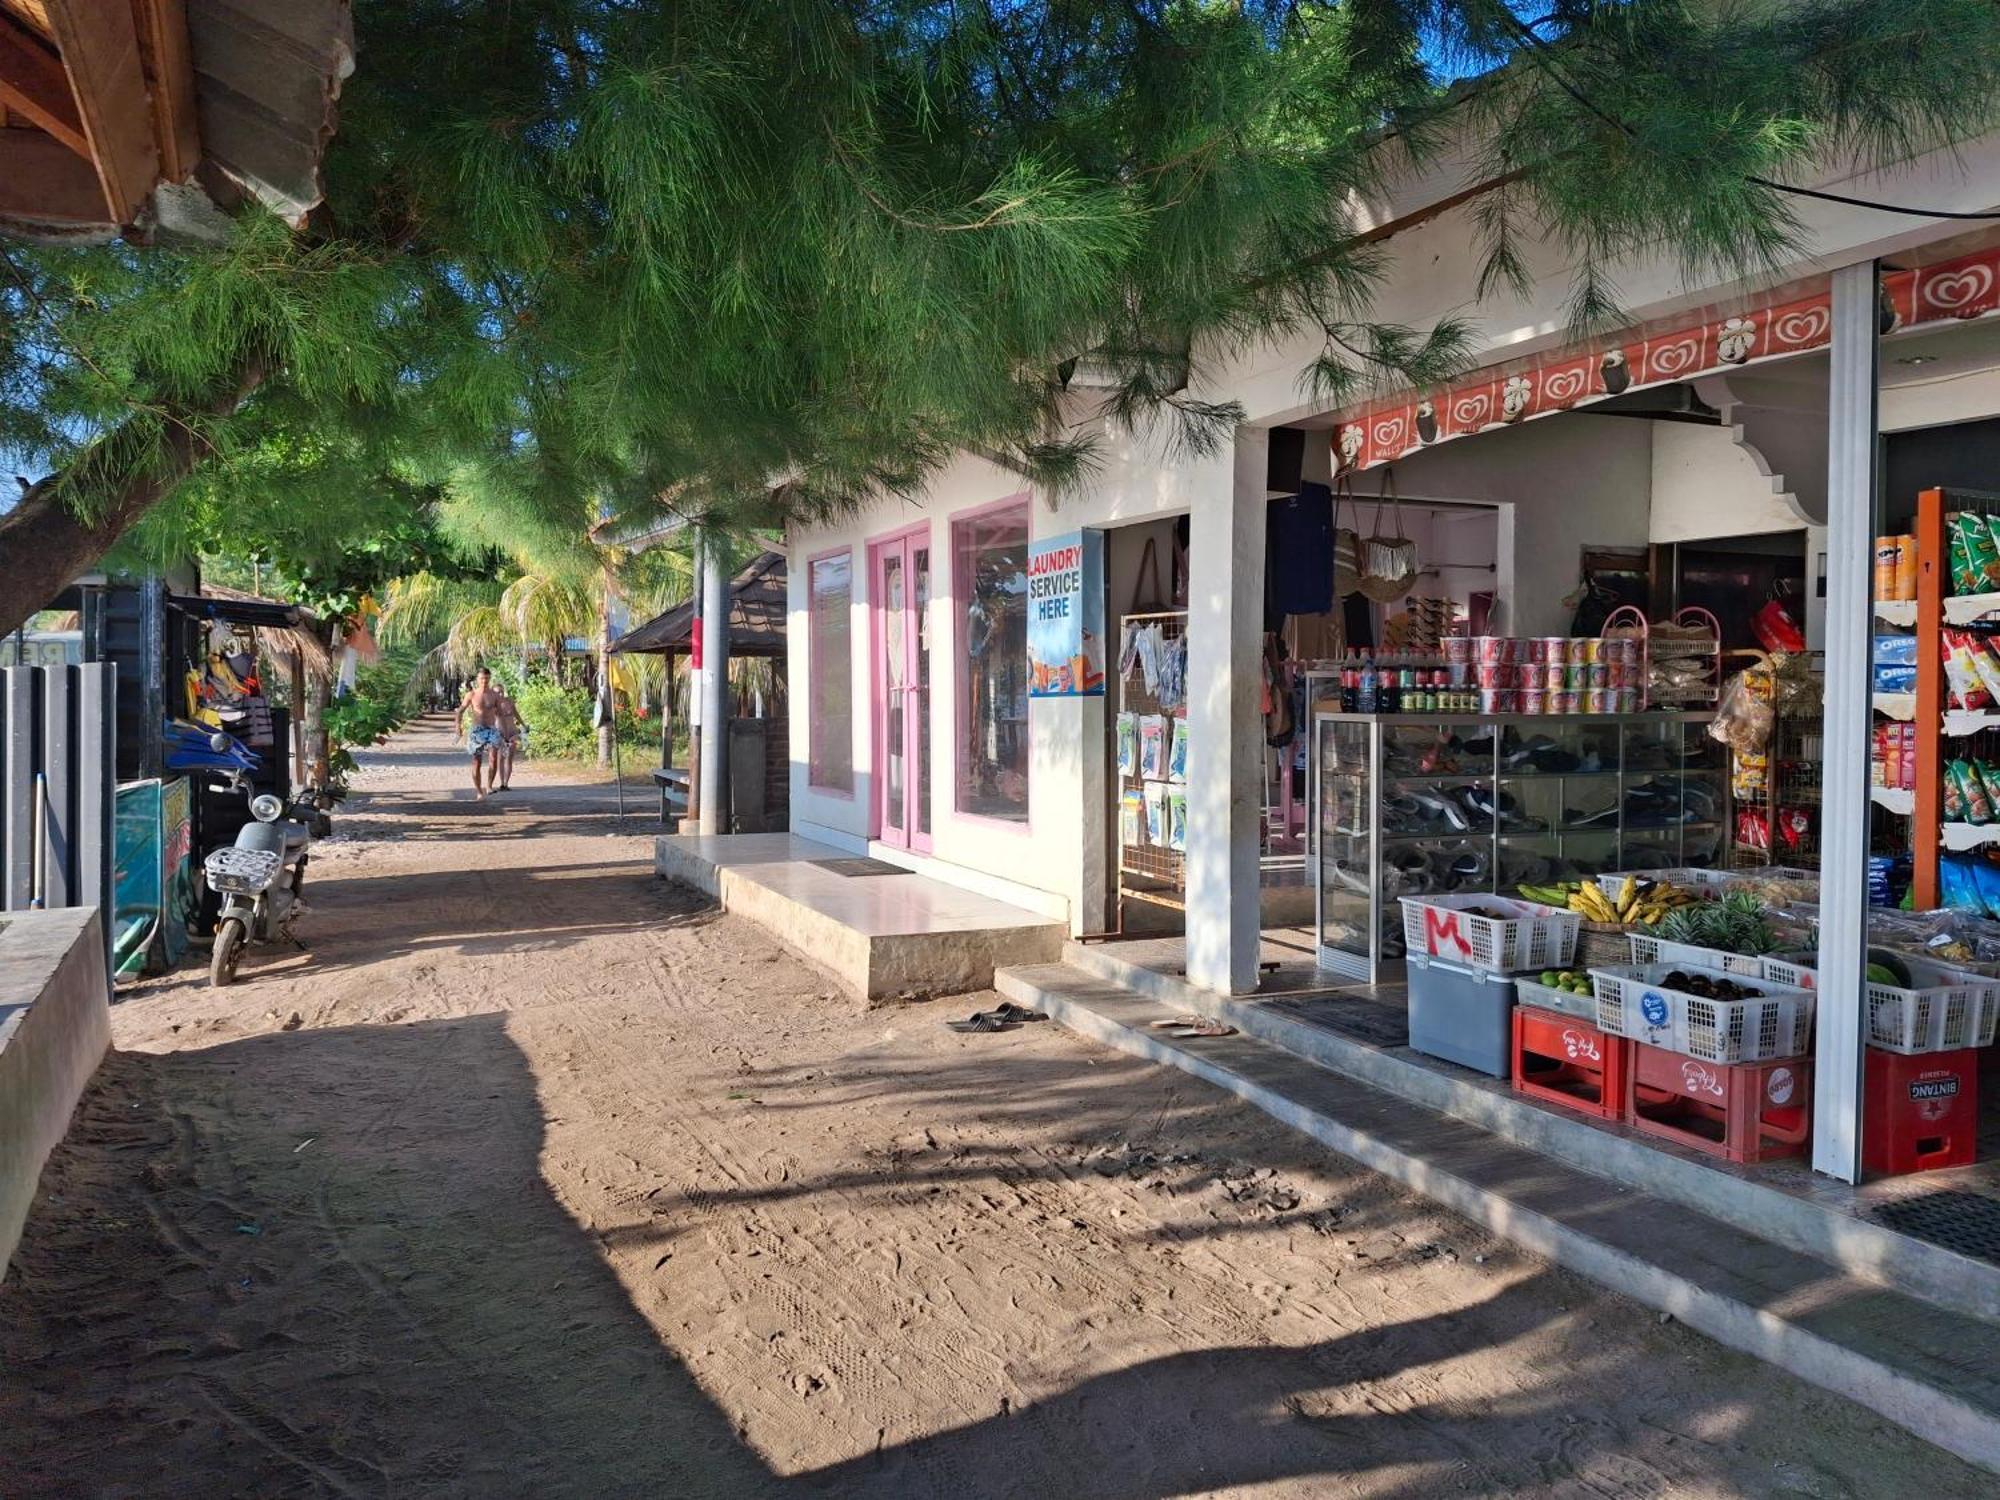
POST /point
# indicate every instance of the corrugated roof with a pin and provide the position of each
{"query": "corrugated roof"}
(267, 77)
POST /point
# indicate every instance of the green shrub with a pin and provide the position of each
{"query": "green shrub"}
(558, 716)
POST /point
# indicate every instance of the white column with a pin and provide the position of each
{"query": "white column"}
(714, 685)
(1225, 727)
(1850, 530)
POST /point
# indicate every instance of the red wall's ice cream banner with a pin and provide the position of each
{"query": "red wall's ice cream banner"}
(1386, 430)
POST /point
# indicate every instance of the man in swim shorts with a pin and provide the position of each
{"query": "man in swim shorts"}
(512, 729)
(482, 701)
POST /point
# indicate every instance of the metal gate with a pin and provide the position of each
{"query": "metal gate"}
(58, 769)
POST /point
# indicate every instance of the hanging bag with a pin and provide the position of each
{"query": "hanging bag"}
(1388, 563)
(1346, 541)
(1148, 601)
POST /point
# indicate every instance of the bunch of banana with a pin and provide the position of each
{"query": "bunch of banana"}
(1637, 900)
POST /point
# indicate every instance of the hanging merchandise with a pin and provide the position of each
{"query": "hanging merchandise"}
(1153, 746)
(1346, 541)
(1775, 629)
(1388, 563)
(1128, 744)
(1299, 551)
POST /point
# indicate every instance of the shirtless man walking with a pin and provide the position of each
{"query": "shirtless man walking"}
(482, 700)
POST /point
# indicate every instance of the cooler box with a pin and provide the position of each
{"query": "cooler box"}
(1462, 1014)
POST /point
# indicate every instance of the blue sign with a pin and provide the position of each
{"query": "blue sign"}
(1653, 1008)
(1065, 616)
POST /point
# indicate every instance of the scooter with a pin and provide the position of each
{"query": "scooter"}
(261, 877)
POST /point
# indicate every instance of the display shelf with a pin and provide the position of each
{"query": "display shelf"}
(1536, 838)
(1960, 722)
(1899, 706)
(1901, 612)
(1896, 799)
(1968, 609)
(1959, 837)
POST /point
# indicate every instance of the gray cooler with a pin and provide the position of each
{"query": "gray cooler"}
(1461, 1014)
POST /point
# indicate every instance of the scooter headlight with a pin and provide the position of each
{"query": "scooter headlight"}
(266, 809)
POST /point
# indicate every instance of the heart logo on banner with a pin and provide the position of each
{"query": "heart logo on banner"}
(1468, 412)
(1564, 386)
(1957, 291)
(1677, 358)
(1388, 433)
(1800, 329)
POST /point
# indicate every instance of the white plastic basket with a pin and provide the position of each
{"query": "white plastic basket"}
(1530, 936)
(1792, 970)
(1548, 997)
(1944, 1010)
(1611, 885)
(1654, 950)
(1635, 1002)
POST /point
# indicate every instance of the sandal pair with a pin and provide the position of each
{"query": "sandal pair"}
(1004, 1017)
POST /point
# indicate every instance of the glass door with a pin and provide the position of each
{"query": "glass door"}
(902, 595)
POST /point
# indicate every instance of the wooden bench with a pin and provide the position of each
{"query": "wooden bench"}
(673, 784)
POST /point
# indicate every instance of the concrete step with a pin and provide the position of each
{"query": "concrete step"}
(1929, 1370)
(1784, 1203)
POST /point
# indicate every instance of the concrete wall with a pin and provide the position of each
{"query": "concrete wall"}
(1563, 484)
(55, 1027)
(1060, 852)
(1705, 485)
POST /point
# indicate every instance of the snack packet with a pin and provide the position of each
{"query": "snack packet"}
(1961, 672)
(1972, 791)
(1128, 745)
(1982, 553)
(1985, 662)
(1953, 800)
(1958, 557)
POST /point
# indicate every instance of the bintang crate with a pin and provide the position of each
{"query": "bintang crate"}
(1744, 1112)
(1919, 1113)
(1562, 1060)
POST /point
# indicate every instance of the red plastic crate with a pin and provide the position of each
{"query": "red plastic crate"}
(1565, 1061)
(1919, 1111)
(1742, 1111)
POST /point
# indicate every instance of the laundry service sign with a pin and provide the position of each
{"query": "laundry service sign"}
(1065, 615)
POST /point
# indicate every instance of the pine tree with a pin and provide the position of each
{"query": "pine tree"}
(632, 254)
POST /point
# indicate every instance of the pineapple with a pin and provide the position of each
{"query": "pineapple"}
(1735, 924)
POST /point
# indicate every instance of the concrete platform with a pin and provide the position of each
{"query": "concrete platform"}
(1361, 1031)
(883, 936)
(1932, 1371)
(55, 1027)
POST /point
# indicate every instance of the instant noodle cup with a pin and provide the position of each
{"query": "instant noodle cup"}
(1495, 674)
(1562, 703)
(1457, 650)
(1498, 700)
(1576, 677)
(1597, 675)
(1550, 678)
(1628, 700)
(1459, 674)
(1555, 648)
(1596, 701)
(1592, 646)
(1492, 648)
(1532, 701)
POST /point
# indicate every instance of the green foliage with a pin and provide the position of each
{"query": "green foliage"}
(597, 259)
(559, 720)
(380, 703)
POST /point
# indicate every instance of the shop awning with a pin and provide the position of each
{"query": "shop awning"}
(1790, 321)
(757, 609)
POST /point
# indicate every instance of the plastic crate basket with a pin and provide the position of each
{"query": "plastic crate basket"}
(1636, 1002)
(1527, 936)
(1654, 950)
(1944, 1010)
(1547, 997)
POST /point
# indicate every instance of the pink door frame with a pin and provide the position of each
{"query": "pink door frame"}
(900, 545)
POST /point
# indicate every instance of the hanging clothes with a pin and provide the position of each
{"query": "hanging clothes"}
(1298, 546)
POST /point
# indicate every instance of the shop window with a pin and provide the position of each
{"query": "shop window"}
(830, 687)
(990, 595)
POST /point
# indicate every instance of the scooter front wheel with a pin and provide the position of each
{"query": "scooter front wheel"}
(229, 937)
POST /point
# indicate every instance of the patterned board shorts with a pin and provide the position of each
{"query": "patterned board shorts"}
(484, 737)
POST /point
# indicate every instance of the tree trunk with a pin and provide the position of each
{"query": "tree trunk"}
(43, 546)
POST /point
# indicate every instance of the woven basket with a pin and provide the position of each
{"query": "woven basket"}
(1601, 943)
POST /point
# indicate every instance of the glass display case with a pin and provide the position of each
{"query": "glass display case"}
(1406, 804)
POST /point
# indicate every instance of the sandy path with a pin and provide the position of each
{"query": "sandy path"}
(560, 1184)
